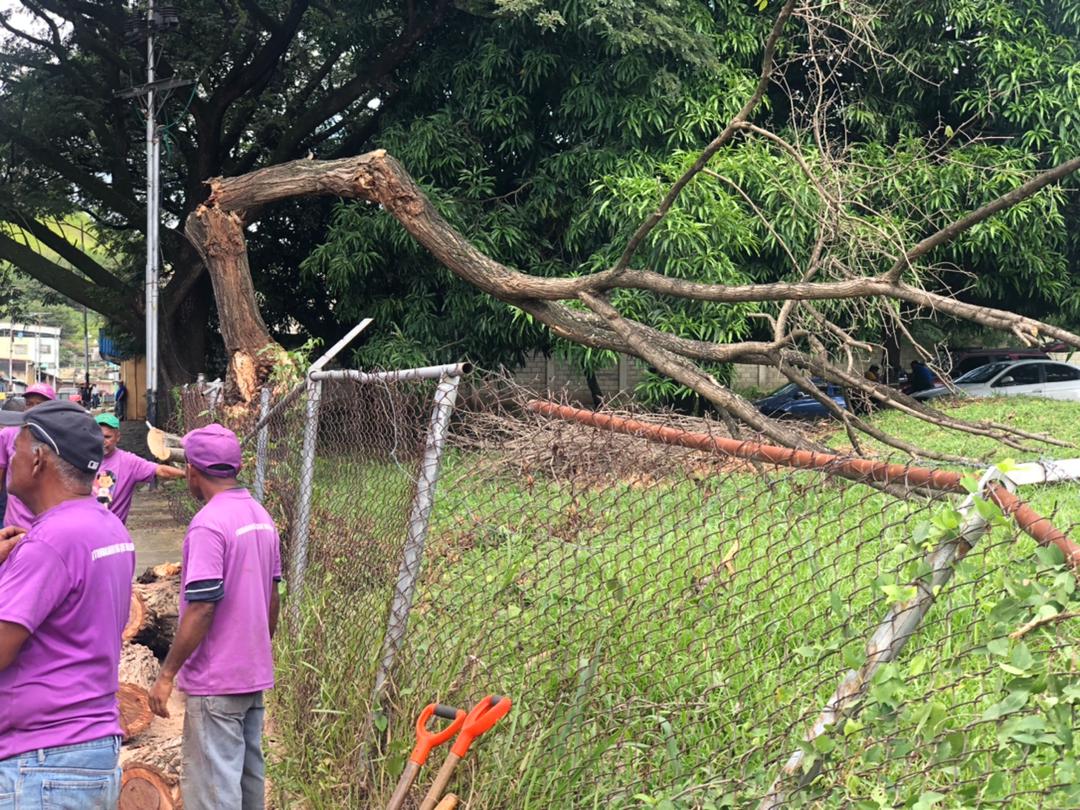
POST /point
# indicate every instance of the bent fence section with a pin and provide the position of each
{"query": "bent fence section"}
(684, 619)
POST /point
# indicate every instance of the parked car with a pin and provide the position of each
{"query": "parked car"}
(793, 403)
(1031, 378)
(960, 361)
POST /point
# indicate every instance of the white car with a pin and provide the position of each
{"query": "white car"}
(1027, 378)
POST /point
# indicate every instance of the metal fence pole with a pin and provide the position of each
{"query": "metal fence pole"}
(299, 539)
(884, 646)
(419, 517)
(262, 447)
(300, 387)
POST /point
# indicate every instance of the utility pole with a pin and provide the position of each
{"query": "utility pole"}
(160, 19)
(86, 343)
(153, 165)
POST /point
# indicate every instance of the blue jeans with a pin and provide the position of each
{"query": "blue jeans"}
(223, 759)
(71, 777)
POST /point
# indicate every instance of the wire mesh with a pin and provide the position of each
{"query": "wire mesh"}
(668, 622)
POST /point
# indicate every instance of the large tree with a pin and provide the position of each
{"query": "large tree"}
(919, 111)
(870, 244)
(543, 132)
(274, 80)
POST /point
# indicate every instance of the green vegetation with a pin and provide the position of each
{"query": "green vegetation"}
(1060, 420)
(546, 131)
(668, 635)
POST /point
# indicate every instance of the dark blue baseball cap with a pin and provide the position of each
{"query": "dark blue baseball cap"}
(67, 428)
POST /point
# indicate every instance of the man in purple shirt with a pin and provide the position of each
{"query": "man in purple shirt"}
(221, 656)
(121, 471)
(16, 513)
(65, 591)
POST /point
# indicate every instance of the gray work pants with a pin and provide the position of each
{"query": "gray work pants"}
(223, 760)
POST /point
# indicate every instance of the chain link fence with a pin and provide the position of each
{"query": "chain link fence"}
(678, 627)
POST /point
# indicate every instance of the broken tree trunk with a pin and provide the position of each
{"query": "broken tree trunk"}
(151, 778)
(138, 666)
(135, 714)
(218, 236)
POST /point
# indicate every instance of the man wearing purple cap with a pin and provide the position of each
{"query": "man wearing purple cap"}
(65, 592)
(16, 512)
(221, 656)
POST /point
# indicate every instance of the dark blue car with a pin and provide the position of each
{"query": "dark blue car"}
(793, 403)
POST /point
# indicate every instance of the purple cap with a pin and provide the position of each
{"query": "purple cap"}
(213, 450)
(42, 390)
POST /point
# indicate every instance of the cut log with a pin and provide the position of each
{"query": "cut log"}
(152, 782)
(165, 447)
(158, 572)
(161, 606)
(138, 666)
(151, 777)
(136, 617)
(135, 714)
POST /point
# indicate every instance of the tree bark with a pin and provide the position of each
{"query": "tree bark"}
(218, 236)
(138, 666)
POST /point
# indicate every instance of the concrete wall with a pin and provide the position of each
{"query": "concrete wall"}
(557, 376)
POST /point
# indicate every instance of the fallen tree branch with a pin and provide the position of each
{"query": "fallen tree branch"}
(1034, 624)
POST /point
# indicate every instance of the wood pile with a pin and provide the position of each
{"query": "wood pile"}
(150, 761)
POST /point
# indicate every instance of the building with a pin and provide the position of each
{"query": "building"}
(29, 353)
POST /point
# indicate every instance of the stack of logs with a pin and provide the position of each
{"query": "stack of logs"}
(151, 767)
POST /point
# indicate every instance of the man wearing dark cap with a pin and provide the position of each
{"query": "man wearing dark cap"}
(15, 511)
(221, 656)
(65, 591)
(122, 471)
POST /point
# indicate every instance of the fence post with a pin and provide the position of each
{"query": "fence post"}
(419, 517)
(262, 446)
(299, 539)
(884, 646)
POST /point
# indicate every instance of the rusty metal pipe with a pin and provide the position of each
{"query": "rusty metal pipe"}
(1027, 519)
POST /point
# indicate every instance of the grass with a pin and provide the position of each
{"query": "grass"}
(1061, 420)
(665, 638)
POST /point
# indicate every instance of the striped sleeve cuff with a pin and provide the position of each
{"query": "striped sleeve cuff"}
(205, 590)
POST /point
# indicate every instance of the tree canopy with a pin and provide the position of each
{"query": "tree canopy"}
(546, 132)
(547, 149)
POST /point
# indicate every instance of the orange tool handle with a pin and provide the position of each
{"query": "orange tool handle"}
(483, 716)
(426, 740)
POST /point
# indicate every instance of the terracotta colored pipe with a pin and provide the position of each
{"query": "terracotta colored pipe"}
(855, 469)
(1035, 525)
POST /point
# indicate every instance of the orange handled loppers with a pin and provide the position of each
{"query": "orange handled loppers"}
(425, 741)
(483, 716)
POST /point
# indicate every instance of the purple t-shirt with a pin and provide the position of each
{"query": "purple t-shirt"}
(68, 582)
(17, 513)
(116, 479)
(232, 539)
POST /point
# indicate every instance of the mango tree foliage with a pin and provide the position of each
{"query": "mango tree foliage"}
(547, 147)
